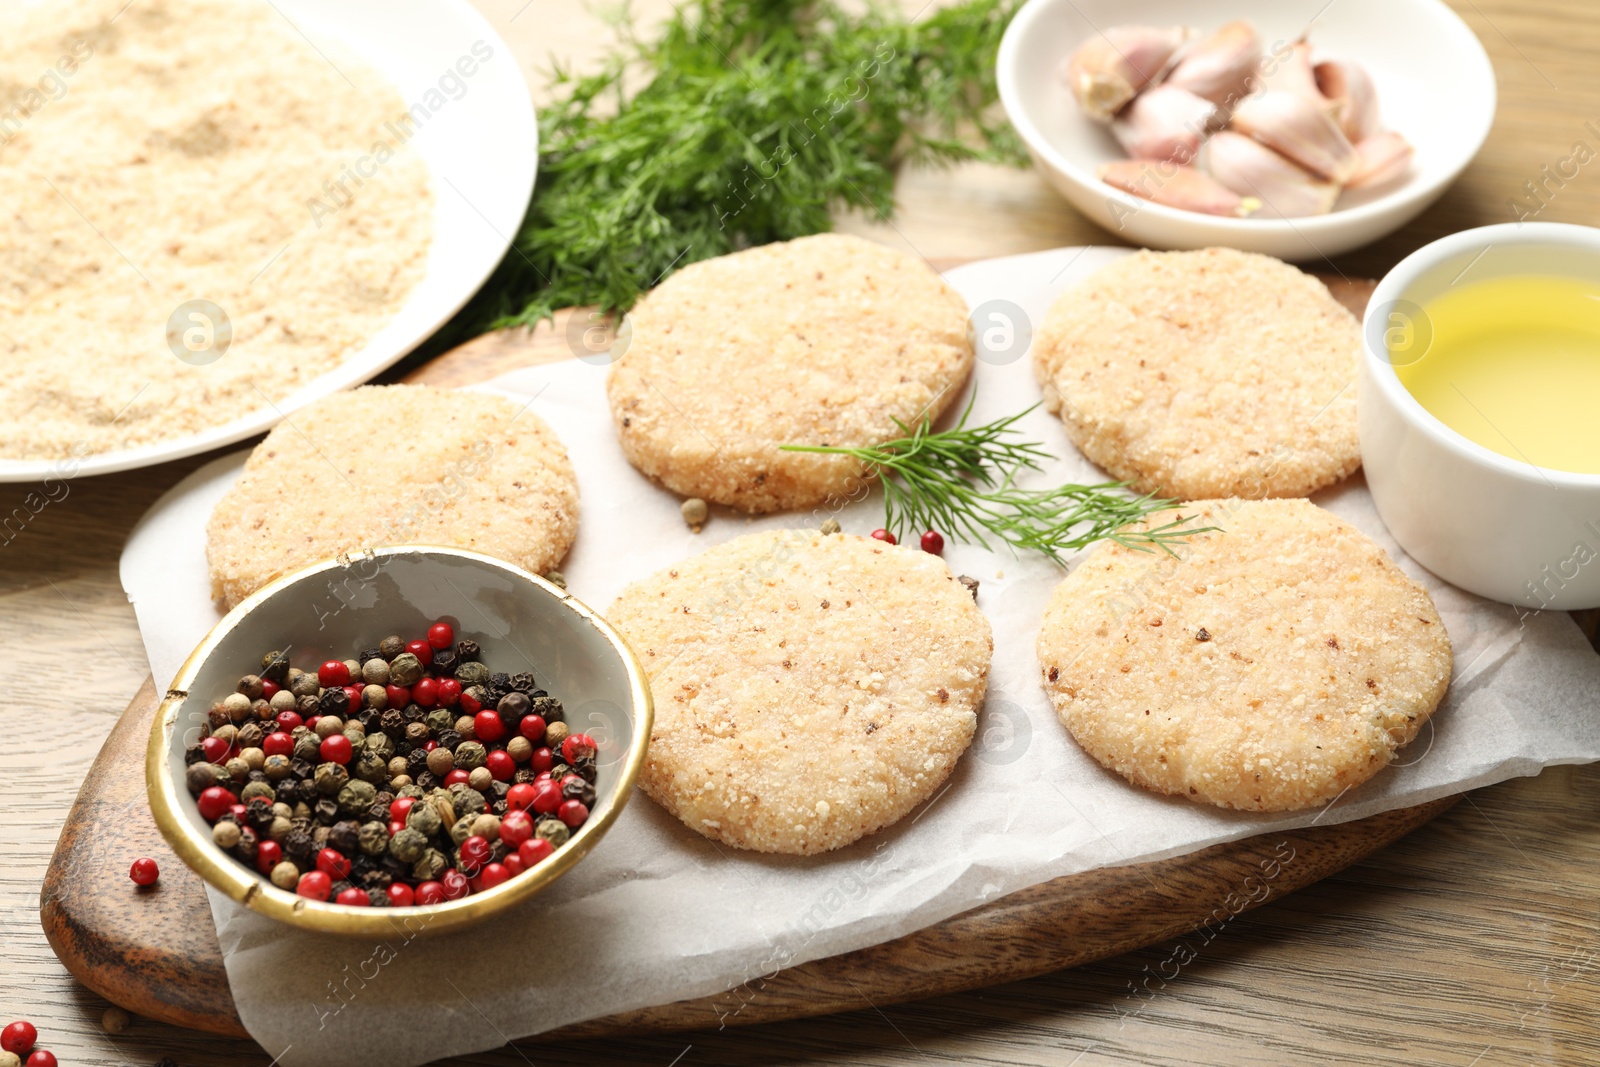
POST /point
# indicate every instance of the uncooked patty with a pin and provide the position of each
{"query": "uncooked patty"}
(825, 340)
(809, 689)
(1283, 659)
(395, 464)
(1205, 374)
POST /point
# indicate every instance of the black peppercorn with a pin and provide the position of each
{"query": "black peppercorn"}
(390, 647)
(547, 708)
(466, 649)
(579, 790)
(523, 682)
(258, 811)
(370, 654)
(524, 776)
(194, 755)
(449, 739)
(427, 780)
(512, 707)
(346, 835)
(378, 896)
(585, 767)
(297, 845)
(444, 662)
(334, 701)
(417, 762)
(414, 713)
(393, 723)
(326, 810)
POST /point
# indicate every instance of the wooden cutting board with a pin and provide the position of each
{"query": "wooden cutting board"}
(155, 951)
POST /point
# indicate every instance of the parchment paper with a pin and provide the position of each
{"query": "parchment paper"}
(657, 913)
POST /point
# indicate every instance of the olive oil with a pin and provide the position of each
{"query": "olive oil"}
(1514, 364)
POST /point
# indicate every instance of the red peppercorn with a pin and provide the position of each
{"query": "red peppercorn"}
(542, 759)
(18, 1038)
(469, 703)
(333, 863)
(455, 884)
(399, 695)
(440, 635)
(449, 692)
(544, 776)
(278, 744)
(577, 747)
(520, 797)
(488, 727)
(269, 688)
(430, 893)
(532, 727)
(288, 720)
(395, 826)
(144, 871)
(425, 693)
(573, 813)
(501, 765)
(311, 723)
(216, 749)
(215, 802)
(885, 536)
(268, 855)
(515, 827)
(429, 746)
(400, 807)
(314, 885)
(493, 874)
(534, 850)
(422, 650)
(546, 798)
(239, 812)
(513, 865)
(41, 1058)
(933, 541)
(333, 673)
(474, 852)
(336, 748)
(456, 777)
(401, 896)
(353, 898)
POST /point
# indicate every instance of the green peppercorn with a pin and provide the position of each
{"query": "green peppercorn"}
(307, 747)
(405, 669)
(374, 838)
(356, 796)
(466, 800)
(380, 745)
(330, 778)
(460, 831)
(371, 767)
(407, 846)
(411, 790)
(469, 755)
(471, 673)
(552, 830)
(257, 789)
(390, 647)
(430, 865)
(286, 875)
(423, 818)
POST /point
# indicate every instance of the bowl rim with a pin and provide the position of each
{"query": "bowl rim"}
(254, 891)
(1407, 194)
(1406, 273)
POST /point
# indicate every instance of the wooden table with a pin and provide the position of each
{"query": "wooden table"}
(1472, 942)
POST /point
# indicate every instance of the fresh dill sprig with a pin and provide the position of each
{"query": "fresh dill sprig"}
(742, 122)
(963, 482)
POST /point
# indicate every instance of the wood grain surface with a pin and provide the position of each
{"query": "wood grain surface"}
(1473, 942)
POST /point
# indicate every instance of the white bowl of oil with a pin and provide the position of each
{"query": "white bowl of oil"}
(1480, 411)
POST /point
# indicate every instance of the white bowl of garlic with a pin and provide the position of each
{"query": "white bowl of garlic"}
(1296, 128)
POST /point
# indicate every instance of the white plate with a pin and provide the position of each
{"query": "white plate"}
(1435, 86)
(482, 162)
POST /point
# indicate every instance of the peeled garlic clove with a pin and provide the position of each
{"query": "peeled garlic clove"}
(1384, 157)
(1250, 168)
(1300, 129)
(1350, 88)
(1222, 67)
(1111, 68)
(1180, 187)
(1287, 68)
(1165, 123)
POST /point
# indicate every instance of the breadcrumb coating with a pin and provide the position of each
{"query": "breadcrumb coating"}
(810, 689)
(1207, 374)
(1280, 661)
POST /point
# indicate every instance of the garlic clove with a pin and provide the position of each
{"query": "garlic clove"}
(1165, 123)
(1287, 68)
(1301, 129)
(1384, 157)
(1223, 67)
(1111, 68)
(1354, 96)
(1174, 186)
(1250, 168)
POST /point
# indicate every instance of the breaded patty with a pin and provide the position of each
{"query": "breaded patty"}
(1205, 374)
(395, 464)
(825, 340)
(1283, 659)
(810, 689)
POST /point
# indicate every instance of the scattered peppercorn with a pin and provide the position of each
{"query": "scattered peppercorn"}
(695, 512)
(144, 872)
(115, 1020)
(885, 536)
(933, 542)
(831, 526)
